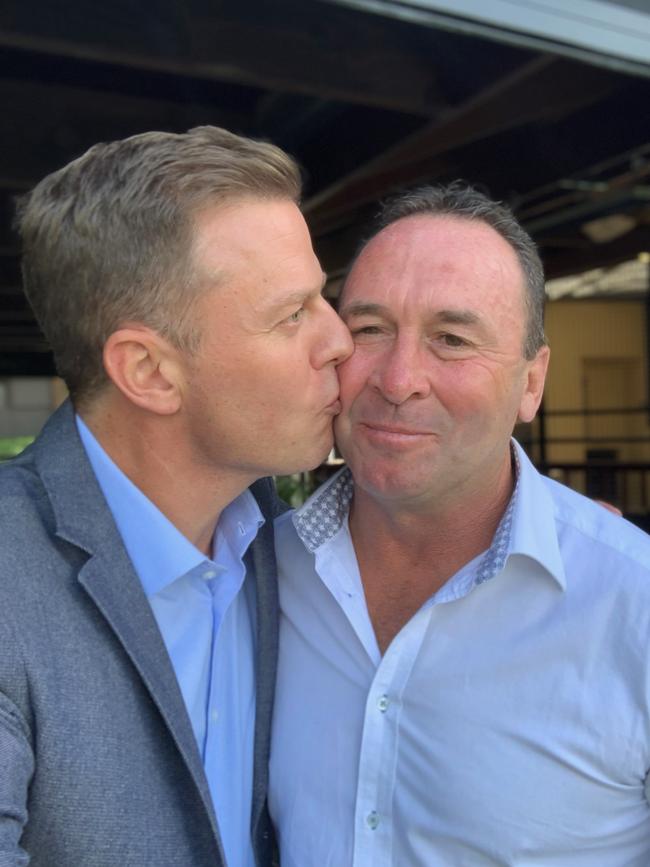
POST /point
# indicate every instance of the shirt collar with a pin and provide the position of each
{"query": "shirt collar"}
(527, 526)
(160, 553)
(324, 513)
(534, 531)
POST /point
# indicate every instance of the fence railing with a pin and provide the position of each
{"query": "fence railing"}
(603, 453)
(625, 485)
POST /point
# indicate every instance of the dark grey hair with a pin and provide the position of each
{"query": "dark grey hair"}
(464, 202)
(108, 238)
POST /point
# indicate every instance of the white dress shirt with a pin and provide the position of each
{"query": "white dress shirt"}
(507, 723)
(205, 610)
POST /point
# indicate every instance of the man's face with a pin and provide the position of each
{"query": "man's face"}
(262, 391)
(437, 379)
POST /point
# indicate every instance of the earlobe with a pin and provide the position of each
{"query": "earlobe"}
(534, 389)
(142, 365)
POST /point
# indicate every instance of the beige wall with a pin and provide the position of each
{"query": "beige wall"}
(598, 361)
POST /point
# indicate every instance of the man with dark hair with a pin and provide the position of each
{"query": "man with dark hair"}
(464, 666)
(175, 280)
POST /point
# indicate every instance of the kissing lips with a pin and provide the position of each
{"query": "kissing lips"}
(333, 408)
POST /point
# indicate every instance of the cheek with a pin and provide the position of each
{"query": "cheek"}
(353, 375)
(266, 376)
(473, 384)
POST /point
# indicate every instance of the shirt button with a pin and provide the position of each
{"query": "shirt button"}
(372, 820)
(209, 574)
(383, 703)
(214, 716)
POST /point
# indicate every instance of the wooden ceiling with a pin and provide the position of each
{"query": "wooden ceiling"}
(368, 104)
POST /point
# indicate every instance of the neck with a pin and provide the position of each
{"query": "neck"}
(154, 453)
(463, 526)
(406, 553)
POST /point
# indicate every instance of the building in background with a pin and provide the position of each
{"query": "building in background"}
(543, 102)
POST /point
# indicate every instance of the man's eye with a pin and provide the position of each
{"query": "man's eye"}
(365, 329)
(453, 340)
(296, 316)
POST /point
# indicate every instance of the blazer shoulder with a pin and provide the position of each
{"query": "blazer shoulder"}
(32, 554)
(23, 496)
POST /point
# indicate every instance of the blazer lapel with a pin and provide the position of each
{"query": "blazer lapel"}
(84, 520)
(260, 561)
(110, 581)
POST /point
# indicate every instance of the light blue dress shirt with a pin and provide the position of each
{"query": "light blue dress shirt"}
(508, 722)
(205, 609)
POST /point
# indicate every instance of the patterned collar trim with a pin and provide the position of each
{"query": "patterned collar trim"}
(322, 516)
(494, 559)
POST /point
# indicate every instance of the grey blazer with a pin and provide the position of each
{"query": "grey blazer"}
(98, 763)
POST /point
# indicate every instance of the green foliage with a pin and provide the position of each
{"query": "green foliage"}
(12, 446)
(295, 489)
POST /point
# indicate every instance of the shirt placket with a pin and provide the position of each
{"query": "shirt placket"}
(373, 825)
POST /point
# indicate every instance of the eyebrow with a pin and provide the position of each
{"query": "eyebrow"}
(299, 295)
(452, 316)
(363, 308)
(458, 317)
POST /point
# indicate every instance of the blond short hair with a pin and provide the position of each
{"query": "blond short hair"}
(108, 238)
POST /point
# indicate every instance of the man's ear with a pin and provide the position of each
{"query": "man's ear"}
(145, 367)
(534, 388)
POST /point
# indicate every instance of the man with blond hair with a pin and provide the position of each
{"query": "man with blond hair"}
(175, 280)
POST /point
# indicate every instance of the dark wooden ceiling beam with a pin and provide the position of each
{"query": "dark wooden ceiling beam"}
(564, 262)
(327, 52)
(619, 200)
(46, 125)
(543, 89)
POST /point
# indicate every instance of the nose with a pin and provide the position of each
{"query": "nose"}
(402, 372)
(335, 344)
